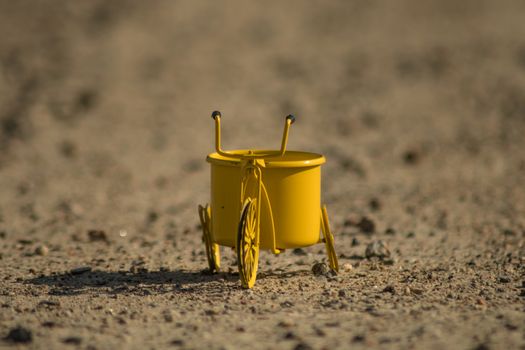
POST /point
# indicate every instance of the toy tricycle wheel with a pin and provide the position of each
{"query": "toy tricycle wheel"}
(248, 244)
(212, 249)
(329, 240)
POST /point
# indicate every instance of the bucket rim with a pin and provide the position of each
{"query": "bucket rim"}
(290, 159)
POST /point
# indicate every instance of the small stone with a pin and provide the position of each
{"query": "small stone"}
(290, 335)
(299, 251)
(86, 99)
(482, 346)
(152, 217)
(366, 225)
(48, 304)
(320, 269)
(374, 204)
(73, 340)
(389, 289)
(177, 342)
(377, 249)
(411, 157)
(417, 291)
(511, 326)
(359, 338)
(210, 312)
(390, 231)
(480, 301)
(97, 236)
(355, 242)
(347, 267)
(168, 317)
(42, 250)
(504, 279)
(319, 332)
(302, 346)
(286, 304)
(19, 335)
(286, 324)
(341, 293)
(80, 270)
(68, 149)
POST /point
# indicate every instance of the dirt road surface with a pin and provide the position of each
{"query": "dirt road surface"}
(419, 108)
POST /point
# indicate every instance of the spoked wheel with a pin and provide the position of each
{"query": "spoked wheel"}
(212, 249)
(329, 240)
(248, 244)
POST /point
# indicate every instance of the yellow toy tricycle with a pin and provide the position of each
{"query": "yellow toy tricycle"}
(263, 199)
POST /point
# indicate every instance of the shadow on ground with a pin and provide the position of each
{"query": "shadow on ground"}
(117, 282)
(146, 283)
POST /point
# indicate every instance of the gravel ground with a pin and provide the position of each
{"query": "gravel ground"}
(419, 108)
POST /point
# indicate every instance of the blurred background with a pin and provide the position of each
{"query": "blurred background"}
(105, 105)
(418, 106)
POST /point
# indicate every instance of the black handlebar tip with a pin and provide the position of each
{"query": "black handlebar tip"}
(215, 114)
(291, 118)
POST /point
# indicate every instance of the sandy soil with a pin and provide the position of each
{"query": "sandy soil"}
(419, 108)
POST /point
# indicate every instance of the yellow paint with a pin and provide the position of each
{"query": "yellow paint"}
(281, 191)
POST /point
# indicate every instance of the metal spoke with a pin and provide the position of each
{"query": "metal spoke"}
(247, 249)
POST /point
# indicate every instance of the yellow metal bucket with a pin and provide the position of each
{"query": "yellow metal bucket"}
(263, 199)
(290, 209)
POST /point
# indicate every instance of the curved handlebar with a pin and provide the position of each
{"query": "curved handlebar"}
(216, 115)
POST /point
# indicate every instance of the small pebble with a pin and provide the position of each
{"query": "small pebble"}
(504, 279)
(358, 338)
(417, 291)
(347, 267)
(168, 317)
(152, 217)
(377, 249)
(389, 289)
(320, 269)
(97, 236)
(390, 231)
(411, 157)
(42, 250)
(302, 346)
(68, 149)
(72, 340)
(80, 270)
(366, 225)
(375, 204)
(299, 251)
(290, 335)
(177, 342)
(286, 324)
(19, 335)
